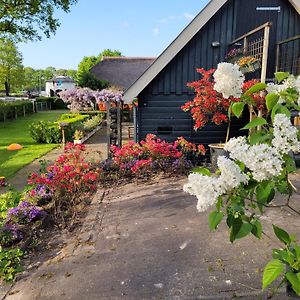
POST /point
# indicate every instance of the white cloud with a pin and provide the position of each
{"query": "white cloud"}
(188, 16)
(155, 31)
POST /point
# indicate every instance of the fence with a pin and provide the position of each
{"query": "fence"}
(288, 55)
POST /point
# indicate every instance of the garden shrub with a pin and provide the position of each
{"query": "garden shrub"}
(10, 263)
(66, 182)
(8, 200)
(50, 132)
(150, 156)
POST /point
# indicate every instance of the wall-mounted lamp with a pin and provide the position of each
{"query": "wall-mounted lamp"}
(215, 44)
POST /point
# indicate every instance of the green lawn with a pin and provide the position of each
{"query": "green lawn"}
(16, 131)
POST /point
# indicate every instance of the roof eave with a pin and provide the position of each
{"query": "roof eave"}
(182, 39)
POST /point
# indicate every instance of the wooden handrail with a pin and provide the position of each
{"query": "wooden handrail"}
(268, 24)
(289, 40)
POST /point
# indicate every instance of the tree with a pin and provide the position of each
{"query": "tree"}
(11, 68)
(27, 19)
(84, 76)
(108, 52)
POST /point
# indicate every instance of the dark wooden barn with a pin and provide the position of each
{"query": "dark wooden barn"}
(162, 90)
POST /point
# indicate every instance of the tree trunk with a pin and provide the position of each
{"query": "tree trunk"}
(7, 88)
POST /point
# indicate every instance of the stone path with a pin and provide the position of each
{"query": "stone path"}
(149, 242)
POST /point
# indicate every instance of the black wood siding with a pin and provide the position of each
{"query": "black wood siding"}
(159, 103)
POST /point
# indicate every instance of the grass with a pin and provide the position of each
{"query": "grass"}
(16, 131)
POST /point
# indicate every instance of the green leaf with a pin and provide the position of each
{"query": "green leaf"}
(259, 137)
(280, 76)
(237, 108)
(257, 229)
(271, 101)
(271, 272)
(214, 219)
(245, 229)
(201, 170)
(280, 109)
(264, 194)
(282, 235)
(256, 88)
(294, 280)
(254, 123)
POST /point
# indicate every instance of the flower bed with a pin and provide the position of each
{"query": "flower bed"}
(151, 156)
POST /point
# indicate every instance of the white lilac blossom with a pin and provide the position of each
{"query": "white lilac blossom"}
(290, 82)
(285, 135)
(231, 174)
(228, 80)
(205, 188)
(262, 160)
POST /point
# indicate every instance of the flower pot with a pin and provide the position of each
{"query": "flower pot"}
(77, 142)
(216, 150)
(234, 59)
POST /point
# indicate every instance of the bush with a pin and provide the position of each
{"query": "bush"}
(92, 123)
(150, 156)
(50, 132)
(13, 109)
(66, 181)
(10, 263)
(45, 132)
(56, 102)
(8, 200)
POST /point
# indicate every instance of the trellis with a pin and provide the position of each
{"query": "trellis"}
(256, 44)
(288, 55)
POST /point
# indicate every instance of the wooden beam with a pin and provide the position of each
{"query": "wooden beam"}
(268, 24)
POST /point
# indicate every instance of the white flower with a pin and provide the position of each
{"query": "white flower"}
(231, 174)
(205, 188)
(285, 135)
(229, 80)
(264, 161)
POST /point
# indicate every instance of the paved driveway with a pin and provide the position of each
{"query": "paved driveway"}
(149, 242)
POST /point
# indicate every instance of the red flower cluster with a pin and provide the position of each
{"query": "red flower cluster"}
(188, 147)
(258, 98)
(137, 157)
(208, 105)
(70, 172)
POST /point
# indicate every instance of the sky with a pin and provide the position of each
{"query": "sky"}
(134, 27)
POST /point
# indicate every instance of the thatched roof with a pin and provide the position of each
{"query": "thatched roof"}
(121, 71)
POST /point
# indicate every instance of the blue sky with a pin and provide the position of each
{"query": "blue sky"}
(135, 27)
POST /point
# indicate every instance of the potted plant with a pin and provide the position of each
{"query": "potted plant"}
(78, 136)
(234, 55)
(248, 64)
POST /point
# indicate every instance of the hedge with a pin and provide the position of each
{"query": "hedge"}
(15, 109)
(55, 102)
(51, 133)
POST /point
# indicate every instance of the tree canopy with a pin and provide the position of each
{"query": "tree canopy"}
(29, 19)
(11, 68)
(84, 76)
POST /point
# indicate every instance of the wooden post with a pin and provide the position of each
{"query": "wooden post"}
(264, 62)
(24, 111)
(245, 45)
(277, 58)
(108, 106)
(119, 123)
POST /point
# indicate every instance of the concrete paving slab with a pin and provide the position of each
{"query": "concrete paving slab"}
(149, 242)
